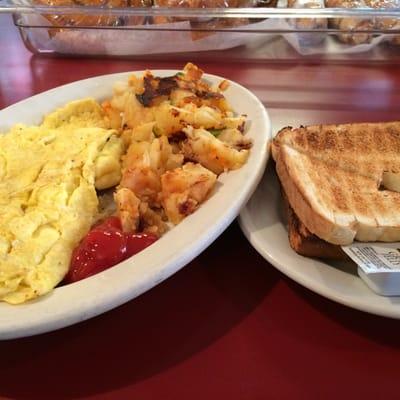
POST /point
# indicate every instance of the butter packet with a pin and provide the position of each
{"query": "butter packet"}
(378, 266)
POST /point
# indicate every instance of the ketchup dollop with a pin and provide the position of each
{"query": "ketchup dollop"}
(104, 246)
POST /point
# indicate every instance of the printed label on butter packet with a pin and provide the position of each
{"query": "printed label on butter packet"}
(374, 259)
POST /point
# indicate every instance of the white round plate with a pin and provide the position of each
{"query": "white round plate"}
(70, 304)
(262, 221)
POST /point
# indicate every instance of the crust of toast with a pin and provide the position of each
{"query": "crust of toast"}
(303, 242)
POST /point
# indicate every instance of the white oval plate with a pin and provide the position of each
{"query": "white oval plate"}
(262, 221)
(73, 303)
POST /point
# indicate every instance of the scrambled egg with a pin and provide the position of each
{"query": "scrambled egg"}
(48, 201)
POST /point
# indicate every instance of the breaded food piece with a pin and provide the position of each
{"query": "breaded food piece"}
(308, 23)
(386, 23)
(350, 24)
(79, 20)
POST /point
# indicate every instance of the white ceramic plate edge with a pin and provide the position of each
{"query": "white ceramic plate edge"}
(368, 301)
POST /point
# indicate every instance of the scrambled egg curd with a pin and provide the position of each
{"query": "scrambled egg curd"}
(48, 201)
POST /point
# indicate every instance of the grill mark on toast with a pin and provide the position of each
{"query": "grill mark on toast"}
(371, 142)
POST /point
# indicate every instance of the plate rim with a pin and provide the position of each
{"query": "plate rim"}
(263, 247)
(49, 322)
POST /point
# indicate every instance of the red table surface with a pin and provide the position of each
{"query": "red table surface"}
(228, 325)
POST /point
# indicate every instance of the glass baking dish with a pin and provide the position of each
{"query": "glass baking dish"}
(255, 32)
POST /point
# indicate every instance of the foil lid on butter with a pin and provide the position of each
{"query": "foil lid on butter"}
(378, 265)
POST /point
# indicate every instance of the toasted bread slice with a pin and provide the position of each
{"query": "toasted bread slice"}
(342, 180)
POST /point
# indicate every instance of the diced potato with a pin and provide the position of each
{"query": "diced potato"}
(217, 156)
(169, 119)
(138, 174)
(143, 132)
(234, 138)
(219, 103)
(178, 96)
(137, 155)
(134, 112)
(113, 115)
(184, 189)
(152, 220)
(120, 87)
(235, 122)
(143, 165)
(136, 84)
(168, 160)
(119, 99)
(192, 72)
(144, 182)
(207, 117)
(224, 85)
(128, 209)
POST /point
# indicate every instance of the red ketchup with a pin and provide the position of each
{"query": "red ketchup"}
(104, 246)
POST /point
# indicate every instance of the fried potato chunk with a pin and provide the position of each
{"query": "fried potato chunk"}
(184, 189)
(217, 156)
(143, 165)
(128, 209)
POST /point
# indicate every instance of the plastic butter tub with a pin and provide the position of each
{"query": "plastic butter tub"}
(378, 265)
